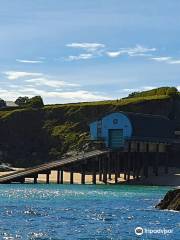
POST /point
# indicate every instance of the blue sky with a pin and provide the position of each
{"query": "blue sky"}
(71, 51)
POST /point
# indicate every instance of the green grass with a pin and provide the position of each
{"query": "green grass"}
(119, 102)
(72, 106)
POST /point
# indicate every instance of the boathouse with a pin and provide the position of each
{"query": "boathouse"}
(118, 129)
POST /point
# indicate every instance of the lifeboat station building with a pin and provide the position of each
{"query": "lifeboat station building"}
(134, 132)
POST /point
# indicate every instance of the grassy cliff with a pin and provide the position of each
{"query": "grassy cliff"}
(31, 136)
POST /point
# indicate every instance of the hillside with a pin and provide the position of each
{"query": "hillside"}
(31, 136)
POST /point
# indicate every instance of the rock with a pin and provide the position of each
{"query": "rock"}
(171, 201)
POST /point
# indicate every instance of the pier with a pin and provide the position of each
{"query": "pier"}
(103, 163)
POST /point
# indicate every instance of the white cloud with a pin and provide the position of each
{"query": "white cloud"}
(140, 55)
(14, 75)
(161, 59)
(169, 60)
(89, 47)
(75, 96)
(13, 86)
(91, 50)
(83, 56)
(50, 83)
(174, 62)
(28, 61)
(144, 88)
(136, 51)
(8, 94)
(114, 54)
(38, 79)
(97, 49)
(56, 90)
(139, 50)
(52, 96)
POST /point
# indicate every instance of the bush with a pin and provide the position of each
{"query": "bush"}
(22, 101)
(169, 91)
(36, 102)
(172, 92)
(2, 103)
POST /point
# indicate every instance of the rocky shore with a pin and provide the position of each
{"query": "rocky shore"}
(171, 201)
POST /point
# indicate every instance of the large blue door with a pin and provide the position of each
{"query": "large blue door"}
(115, 138)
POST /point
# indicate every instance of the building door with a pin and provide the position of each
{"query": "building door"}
(115, 138)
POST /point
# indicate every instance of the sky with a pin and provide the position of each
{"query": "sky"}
(87, 50)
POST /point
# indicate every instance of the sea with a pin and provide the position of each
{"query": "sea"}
(54, 212)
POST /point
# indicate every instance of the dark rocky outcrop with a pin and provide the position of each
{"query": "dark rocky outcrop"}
(171, 201)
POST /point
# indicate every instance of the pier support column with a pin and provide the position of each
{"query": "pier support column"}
(100, 169)
(109, 166)
(83, 178)
(35, 180)
(58, 176)
(138, 161)
(100, 176)
(129, 167)
(116, 177)
(105, 170)
(119, 159)
(138, 164)
(94, 170)
(71, 177)
(61, 177)
(109, 176)
(128, 162)
(125, 159)
(134, 164)
(47, 178)
(83, 174)
(116, 168)
(105, 176)
(94, 177)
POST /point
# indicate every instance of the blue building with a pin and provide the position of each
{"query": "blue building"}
(118, 128)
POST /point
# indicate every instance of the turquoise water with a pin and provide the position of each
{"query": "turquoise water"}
(56, 212)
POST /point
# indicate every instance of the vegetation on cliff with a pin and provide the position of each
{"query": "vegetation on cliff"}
(163, 91)
(34, 102)
(31, 135)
